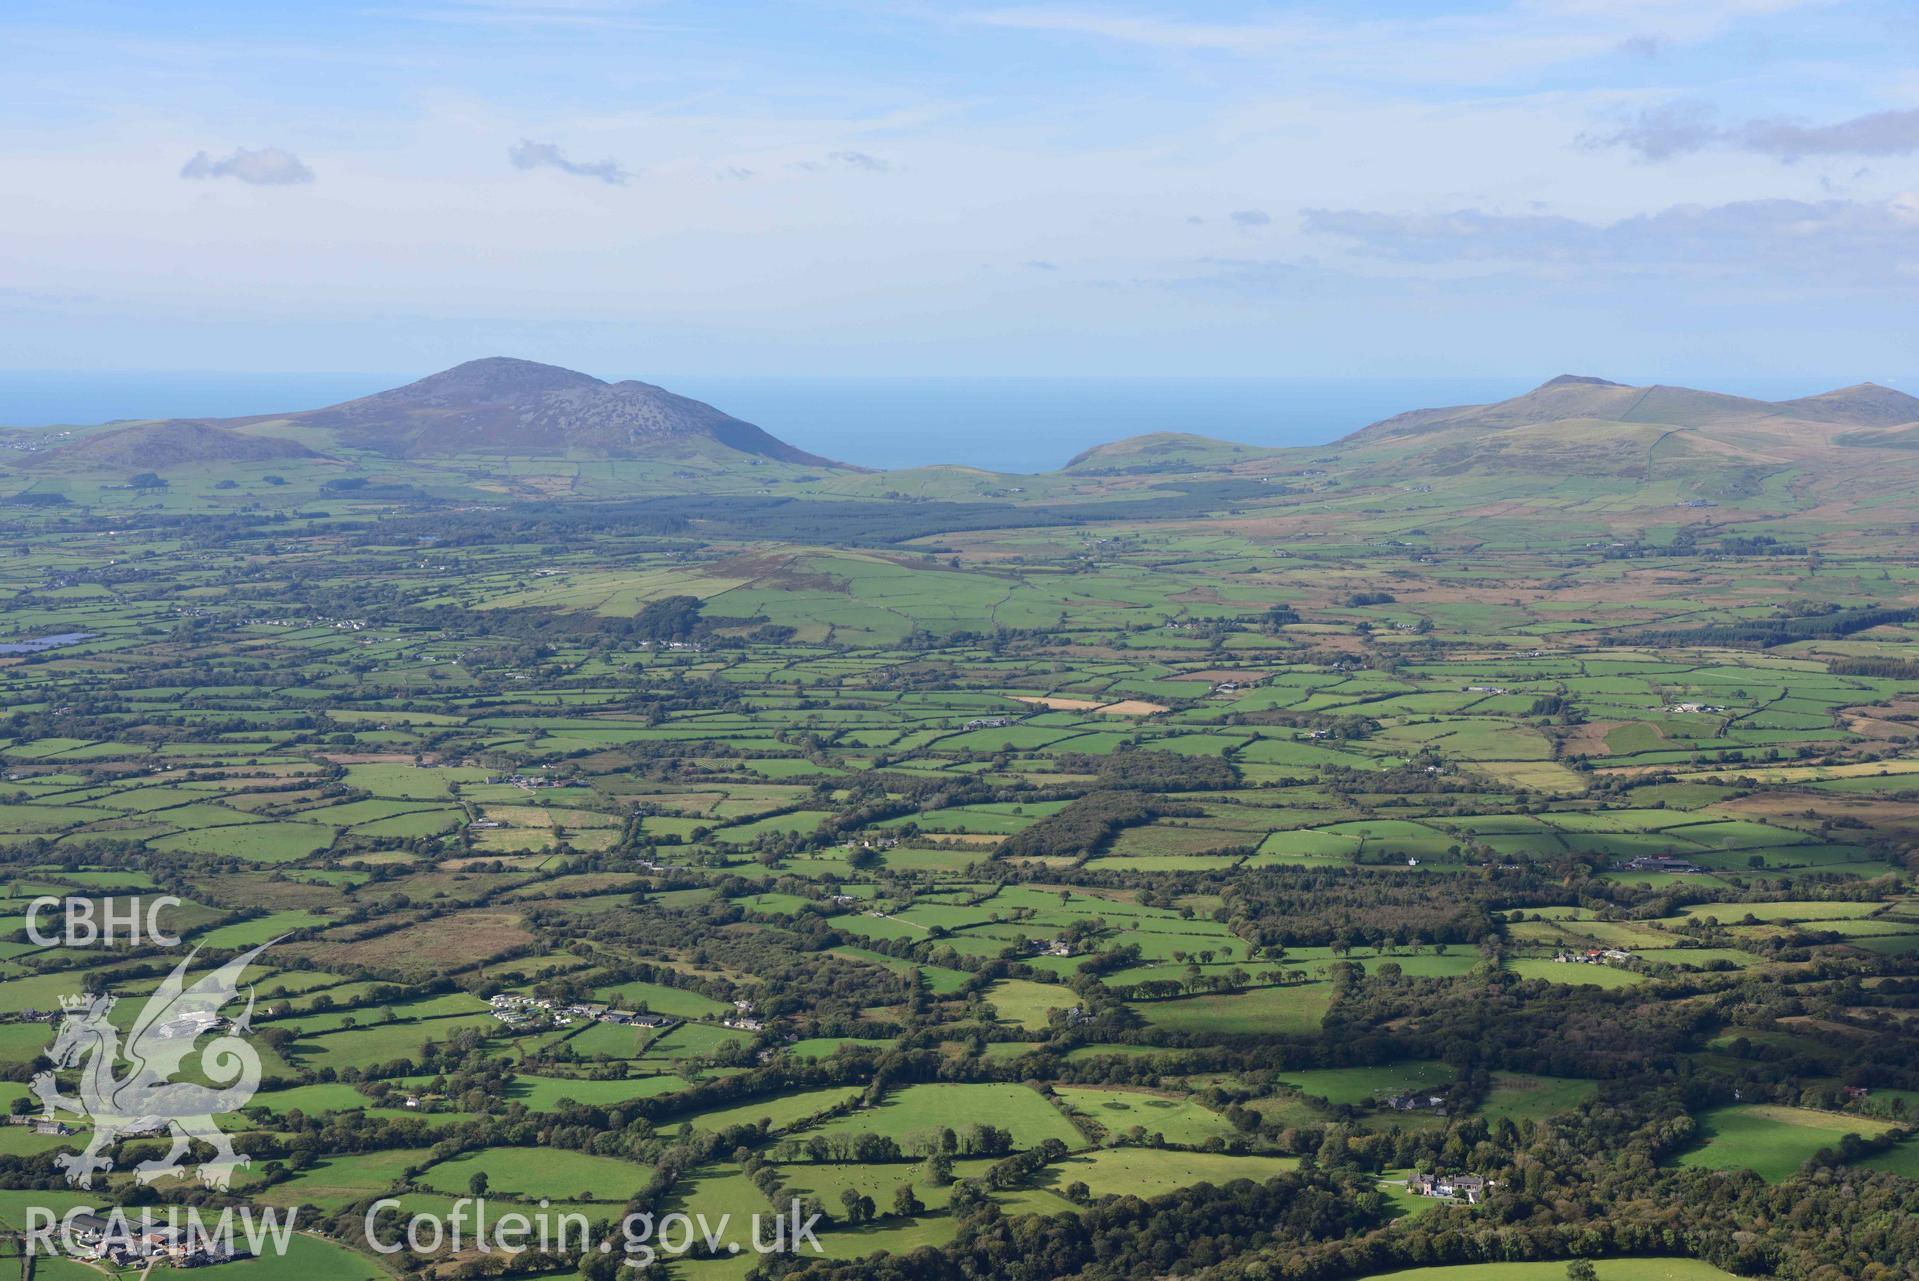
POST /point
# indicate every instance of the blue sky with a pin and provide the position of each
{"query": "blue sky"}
(1634, 188)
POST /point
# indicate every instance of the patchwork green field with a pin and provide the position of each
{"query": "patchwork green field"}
(1258, 865)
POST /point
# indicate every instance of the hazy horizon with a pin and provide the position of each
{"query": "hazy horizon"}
(1015, 424)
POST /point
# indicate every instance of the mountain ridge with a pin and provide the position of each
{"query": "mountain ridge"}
(1865, 404)
(1578, 396)
(496, 404)
(172, 443)
(505, 403)
(1577, 424)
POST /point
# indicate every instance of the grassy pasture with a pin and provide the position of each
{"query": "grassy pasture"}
(660, 999)
(1361, 1085)
(1027, 1004)
(1141, 1172)
(1181, 1121)
(1771, 1141)
(544, 1094)
(1573, 974)
(531, 1173)
(339, 1181)
(1283, 1011)
(308, 1258)
(1525, 1097)
(919, 1112)
(779, 1112)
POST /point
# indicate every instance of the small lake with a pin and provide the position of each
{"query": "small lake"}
(35, 644)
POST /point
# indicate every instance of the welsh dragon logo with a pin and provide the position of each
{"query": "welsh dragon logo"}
(149, 1099)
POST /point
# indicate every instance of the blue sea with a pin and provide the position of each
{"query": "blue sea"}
(1004, 424)
(1037, 424)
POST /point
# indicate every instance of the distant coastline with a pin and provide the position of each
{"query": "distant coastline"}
(1018, 424)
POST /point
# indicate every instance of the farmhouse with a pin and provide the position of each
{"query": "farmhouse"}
(1416, 1102)
(114, 1239)
(188, 1025)
(1660, 863)
(180, 1248)
(1465, 1187)
(1594, 956)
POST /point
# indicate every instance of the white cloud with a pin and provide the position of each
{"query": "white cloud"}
(846, 160)
(266, 167)
(1682, 127)
(1857, 243)
(860, 160)
(527, 154)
